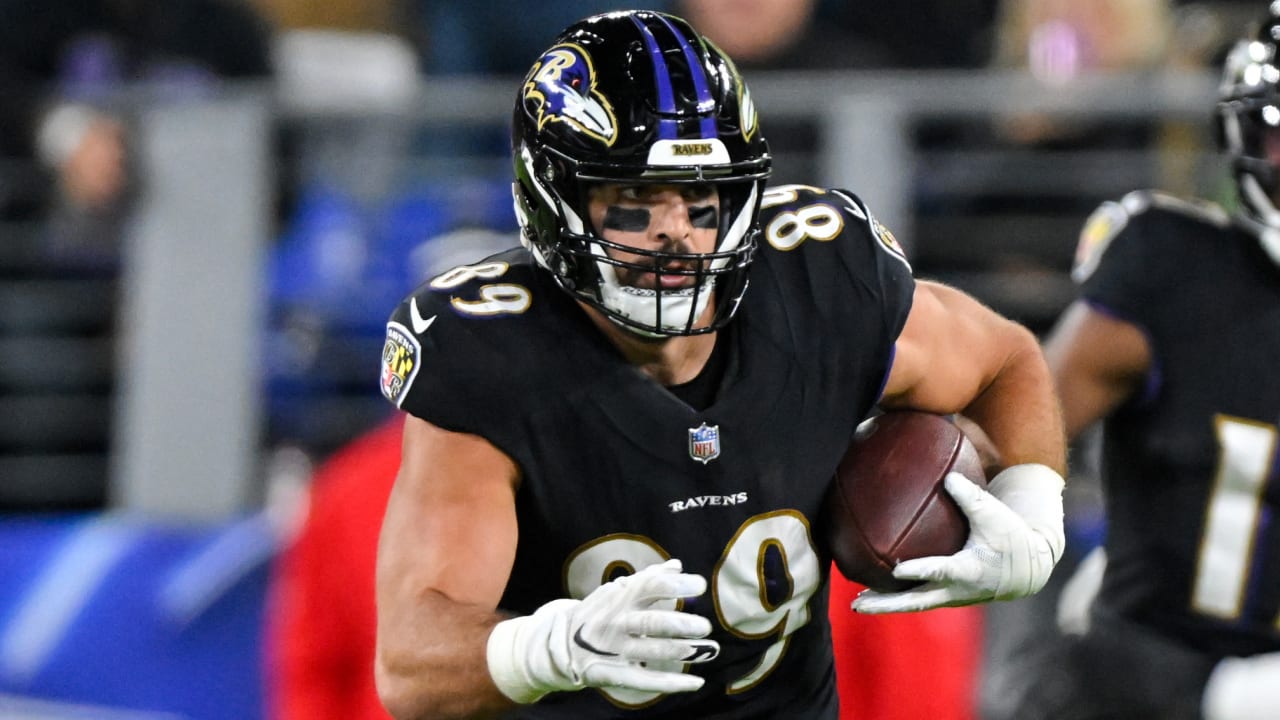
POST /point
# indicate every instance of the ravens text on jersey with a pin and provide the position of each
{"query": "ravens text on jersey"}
(622, 432)
(602, 438)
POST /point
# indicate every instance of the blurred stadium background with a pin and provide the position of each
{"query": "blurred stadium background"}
(170, 376)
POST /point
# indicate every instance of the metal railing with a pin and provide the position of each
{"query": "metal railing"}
(188, 426)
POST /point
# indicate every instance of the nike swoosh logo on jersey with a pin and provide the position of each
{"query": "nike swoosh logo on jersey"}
(420, 325)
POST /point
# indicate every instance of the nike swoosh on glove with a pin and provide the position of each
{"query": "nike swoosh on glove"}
(620, 635)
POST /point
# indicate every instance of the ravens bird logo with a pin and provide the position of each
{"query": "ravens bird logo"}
(562, 88)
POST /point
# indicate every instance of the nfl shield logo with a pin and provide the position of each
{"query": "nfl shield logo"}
(704, 443)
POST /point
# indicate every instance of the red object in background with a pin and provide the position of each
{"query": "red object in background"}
(321, 619)
(904, 666)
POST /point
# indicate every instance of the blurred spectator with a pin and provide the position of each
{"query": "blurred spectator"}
(379, 16)
(351, 93)
(1047, 48)
(1058, 41)
(67, 181)
(472, 38)
(1056, 44)
(924, 34)
(781, 35)
(347, 73)
(62, 63)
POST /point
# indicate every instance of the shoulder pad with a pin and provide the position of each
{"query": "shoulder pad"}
(887, 241)
(796, 213)
(1194, 208)
(446, 315)
(1110, 218)
(1140, 201)
(1102, 226)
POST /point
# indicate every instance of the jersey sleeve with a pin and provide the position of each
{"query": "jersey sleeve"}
(457, 350)
(869, 263)
(437, 368)
(1123, 257)
(846, 281)
(882, 269)
(890, 276)
(407, 349)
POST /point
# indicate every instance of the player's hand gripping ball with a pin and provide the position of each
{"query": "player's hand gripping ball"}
(887, 502)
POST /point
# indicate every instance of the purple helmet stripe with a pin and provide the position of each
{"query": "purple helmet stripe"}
(662, 76)
(699, 75)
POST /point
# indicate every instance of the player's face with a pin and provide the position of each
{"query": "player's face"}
(668, 218)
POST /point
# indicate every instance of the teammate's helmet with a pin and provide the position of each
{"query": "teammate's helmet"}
(1248, 118)
(637, 97)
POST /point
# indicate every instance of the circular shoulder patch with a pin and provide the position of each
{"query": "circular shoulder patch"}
(887, 240)
(1102, 226)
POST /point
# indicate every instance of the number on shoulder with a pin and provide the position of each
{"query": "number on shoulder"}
(492, 298)
(820, 215)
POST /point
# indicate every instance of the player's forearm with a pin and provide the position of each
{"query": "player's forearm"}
(431, 660)
(1019, 409)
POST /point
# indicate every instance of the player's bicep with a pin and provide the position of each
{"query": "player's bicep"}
(450, 524)
(949, 350)
(1097, 362)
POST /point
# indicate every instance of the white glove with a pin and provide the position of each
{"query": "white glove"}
(1015, 539)
(604, 639)
(1243, 688)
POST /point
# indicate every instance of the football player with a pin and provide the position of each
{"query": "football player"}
(1175, 340)
(619, 435)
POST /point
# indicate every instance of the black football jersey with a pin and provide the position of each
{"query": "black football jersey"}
(1190, 463)
(618, 473)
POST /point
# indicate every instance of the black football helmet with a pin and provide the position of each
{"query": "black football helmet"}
(1248, 121)
(637, 97)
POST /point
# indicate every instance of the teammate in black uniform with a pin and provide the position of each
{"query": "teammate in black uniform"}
(1175, 340)
(605, 484)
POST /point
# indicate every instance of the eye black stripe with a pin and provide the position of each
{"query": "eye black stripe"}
(626, 219)
(704, 217)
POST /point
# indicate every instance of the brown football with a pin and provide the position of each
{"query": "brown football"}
(887, 502)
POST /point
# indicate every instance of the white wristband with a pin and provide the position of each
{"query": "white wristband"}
(1034, 491)
(1243, 688)
(505, 667)
(623, 634)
